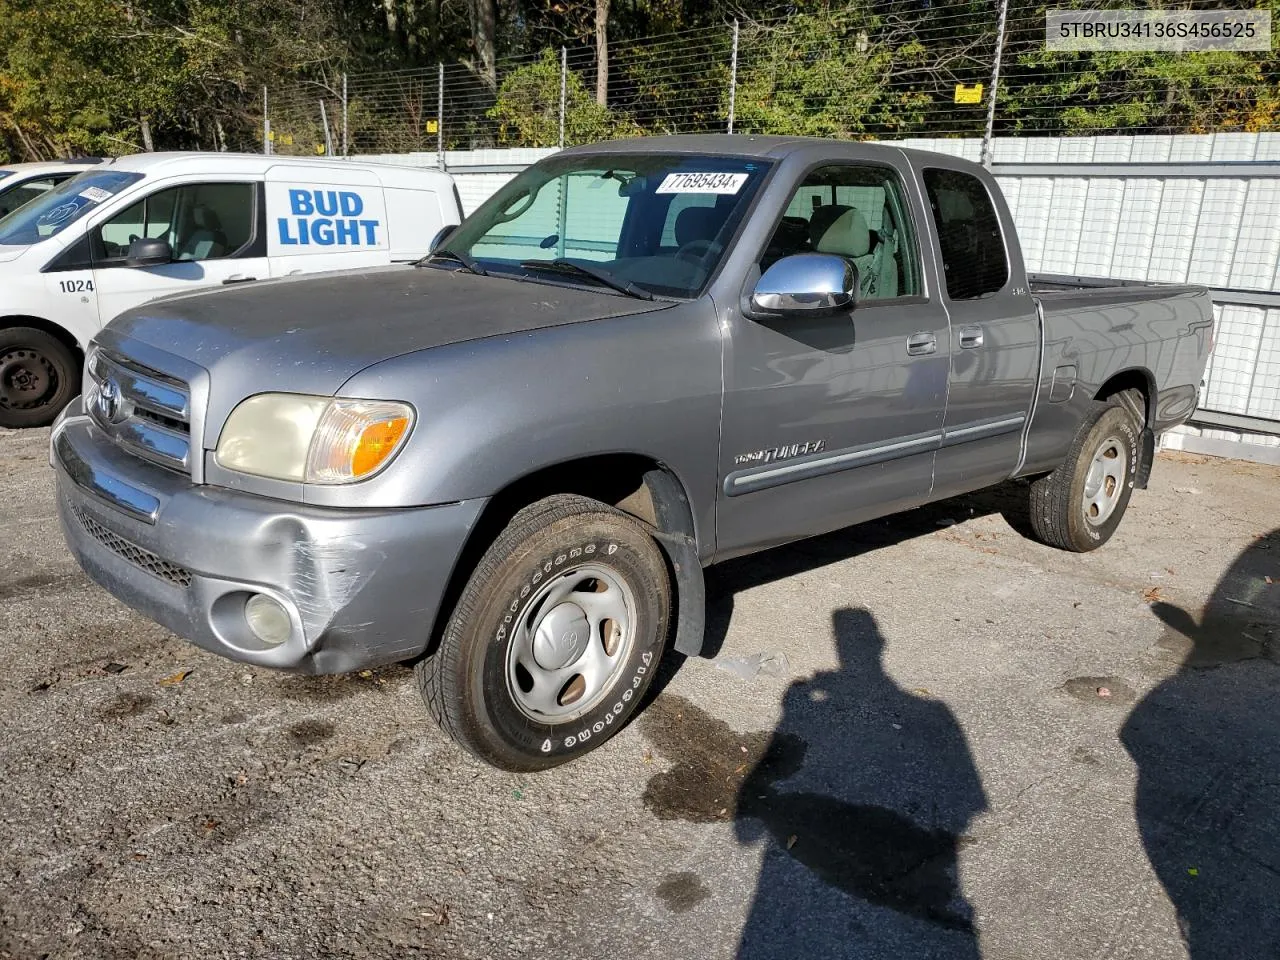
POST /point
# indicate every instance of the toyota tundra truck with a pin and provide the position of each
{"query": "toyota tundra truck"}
(512, 462)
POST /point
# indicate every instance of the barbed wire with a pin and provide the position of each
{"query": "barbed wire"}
(849, 74)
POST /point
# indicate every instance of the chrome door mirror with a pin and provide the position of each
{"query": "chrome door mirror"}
(807, 284)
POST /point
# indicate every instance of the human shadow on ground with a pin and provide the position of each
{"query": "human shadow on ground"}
(1206, 742)
(861, 797)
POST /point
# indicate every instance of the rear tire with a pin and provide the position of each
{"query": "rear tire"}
(1079, 506)
(39, 375)
(555, 639)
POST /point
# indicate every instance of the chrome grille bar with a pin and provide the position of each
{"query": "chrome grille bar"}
(143, 410)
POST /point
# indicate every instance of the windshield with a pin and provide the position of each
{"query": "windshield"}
(657, 221)
(66, 203)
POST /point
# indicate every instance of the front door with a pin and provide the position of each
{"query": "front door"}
(995, 335)
(828, 422)
(212, 229)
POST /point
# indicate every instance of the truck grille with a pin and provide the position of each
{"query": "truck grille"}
(134, 554)
(145, 411)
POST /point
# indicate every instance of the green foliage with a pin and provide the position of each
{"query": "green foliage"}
(829, 76)
(100, 76)
(527, 110)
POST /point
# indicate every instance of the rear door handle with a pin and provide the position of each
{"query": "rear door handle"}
(970, 338)
(919, 344)
(238, 278)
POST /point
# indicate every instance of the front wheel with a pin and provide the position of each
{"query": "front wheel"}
(1079, 506)
(555, 638)
(39, 375)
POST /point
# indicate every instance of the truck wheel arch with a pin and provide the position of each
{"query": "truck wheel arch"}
(635, 484)
(1137, 388)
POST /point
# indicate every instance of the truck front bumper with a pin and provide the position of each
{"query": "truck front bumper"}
(361, 587)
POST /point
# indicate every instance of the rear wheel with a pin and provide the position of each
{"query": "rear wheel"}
(555, 638)
(1079, 506)
(39, 375)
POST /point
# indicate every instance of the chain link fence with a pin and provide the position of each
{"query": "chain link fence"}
(931, 69)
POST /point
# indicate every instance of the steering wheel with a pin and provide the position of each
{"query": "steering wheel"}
(698, 251)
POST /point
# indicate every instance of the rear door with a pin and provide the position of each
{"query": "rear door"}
(213, 228)
(995, 332)
(831, 421)
(321, 218)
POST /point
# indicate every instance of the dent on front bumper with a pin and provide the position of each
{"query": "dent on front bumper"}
(362, 587)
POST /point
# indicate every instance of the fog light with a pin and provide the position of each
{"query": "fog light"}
(268, 620)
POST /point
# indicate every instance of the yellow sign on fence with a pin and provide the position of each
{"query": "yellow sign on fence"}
(968, 94)
(433, 126)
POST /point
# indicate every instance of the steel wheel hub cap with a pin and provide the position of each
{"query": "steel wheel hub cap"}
(1104, 482)
(25, 378)
(570, 642)
(562, 637)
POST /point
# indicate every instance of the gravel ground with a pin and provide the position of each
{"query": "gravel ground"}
(922, 737)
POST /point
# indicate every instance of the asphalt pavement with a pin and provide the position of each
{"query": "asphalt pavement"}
(923, 737)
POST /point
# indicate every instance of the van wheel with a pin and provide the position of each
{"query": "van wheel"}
(1079, 506)
(555, 638)
(39, 375)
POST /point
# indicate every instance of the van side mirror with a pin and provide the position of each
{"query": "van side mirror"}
(147, 252)
(443, 234)
(807, 285)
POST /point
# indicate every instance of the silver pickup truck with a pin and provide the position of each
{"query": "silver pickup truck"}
(513, 461)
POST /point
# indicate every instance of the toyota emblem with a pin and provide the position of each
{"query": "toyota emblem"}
(108, 402)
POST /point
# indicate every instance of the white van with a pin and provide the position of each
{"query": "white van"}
(133, 229)
(22, 182)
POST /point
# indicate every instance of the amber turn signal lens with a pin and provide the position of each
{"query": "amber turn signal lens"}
(376, 443)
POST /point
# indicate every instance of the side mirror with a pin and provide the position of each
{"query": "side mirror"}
(146, 252)
(443, 234)
(807, 285)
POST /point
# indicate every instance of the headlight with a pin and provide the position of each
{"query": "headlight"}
(289, 436)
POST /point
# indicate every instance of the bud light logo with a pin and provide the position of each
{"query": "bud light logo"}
(328, 218)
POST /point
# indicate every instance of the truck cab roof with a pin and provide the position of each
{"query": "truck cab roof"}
(767, 148)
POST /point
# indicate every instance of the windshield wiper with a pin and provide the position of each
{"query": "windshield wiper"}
(598, 274)
(468, 263)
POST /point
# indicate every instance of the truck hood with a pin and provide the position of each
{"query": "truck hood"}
(11, 252)
(312, 334)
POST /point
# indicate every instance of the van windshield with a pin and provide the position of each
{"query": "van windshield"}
(659, 222)
(66, 203)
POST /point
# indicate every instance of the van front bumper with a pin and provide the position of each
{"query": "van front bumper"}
(361, 587)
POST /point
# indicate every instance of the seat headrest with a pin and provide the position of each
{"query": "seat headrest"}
(205, 218)
(698, 223)
(822, 218)
(848, 236)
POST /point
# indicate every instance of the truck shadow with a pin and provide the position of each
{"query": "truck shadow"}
(1207, 748)
(729, 578)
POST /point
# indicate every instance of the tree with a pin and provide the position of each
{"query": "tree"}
(528, 109)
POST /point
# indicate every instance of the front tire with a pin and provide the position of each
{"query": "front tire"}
(1079, 506)
(555, 639)
(39, 375)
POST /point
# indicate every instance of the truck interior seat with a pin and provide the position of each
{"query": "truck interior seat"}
(694, 224)
(205, 240)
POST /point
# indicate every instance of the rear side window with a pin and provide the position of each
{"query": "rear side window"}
(973, 255)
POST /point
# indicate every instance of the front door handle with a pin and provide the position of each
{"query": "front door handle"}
(920, 344)
(238, 278)
(970, 338)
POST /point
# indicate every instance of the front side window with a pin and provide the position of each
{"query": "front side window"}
(56, 209)
(973, 255)
(205, 221)
(658, 221)
(855, 212)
